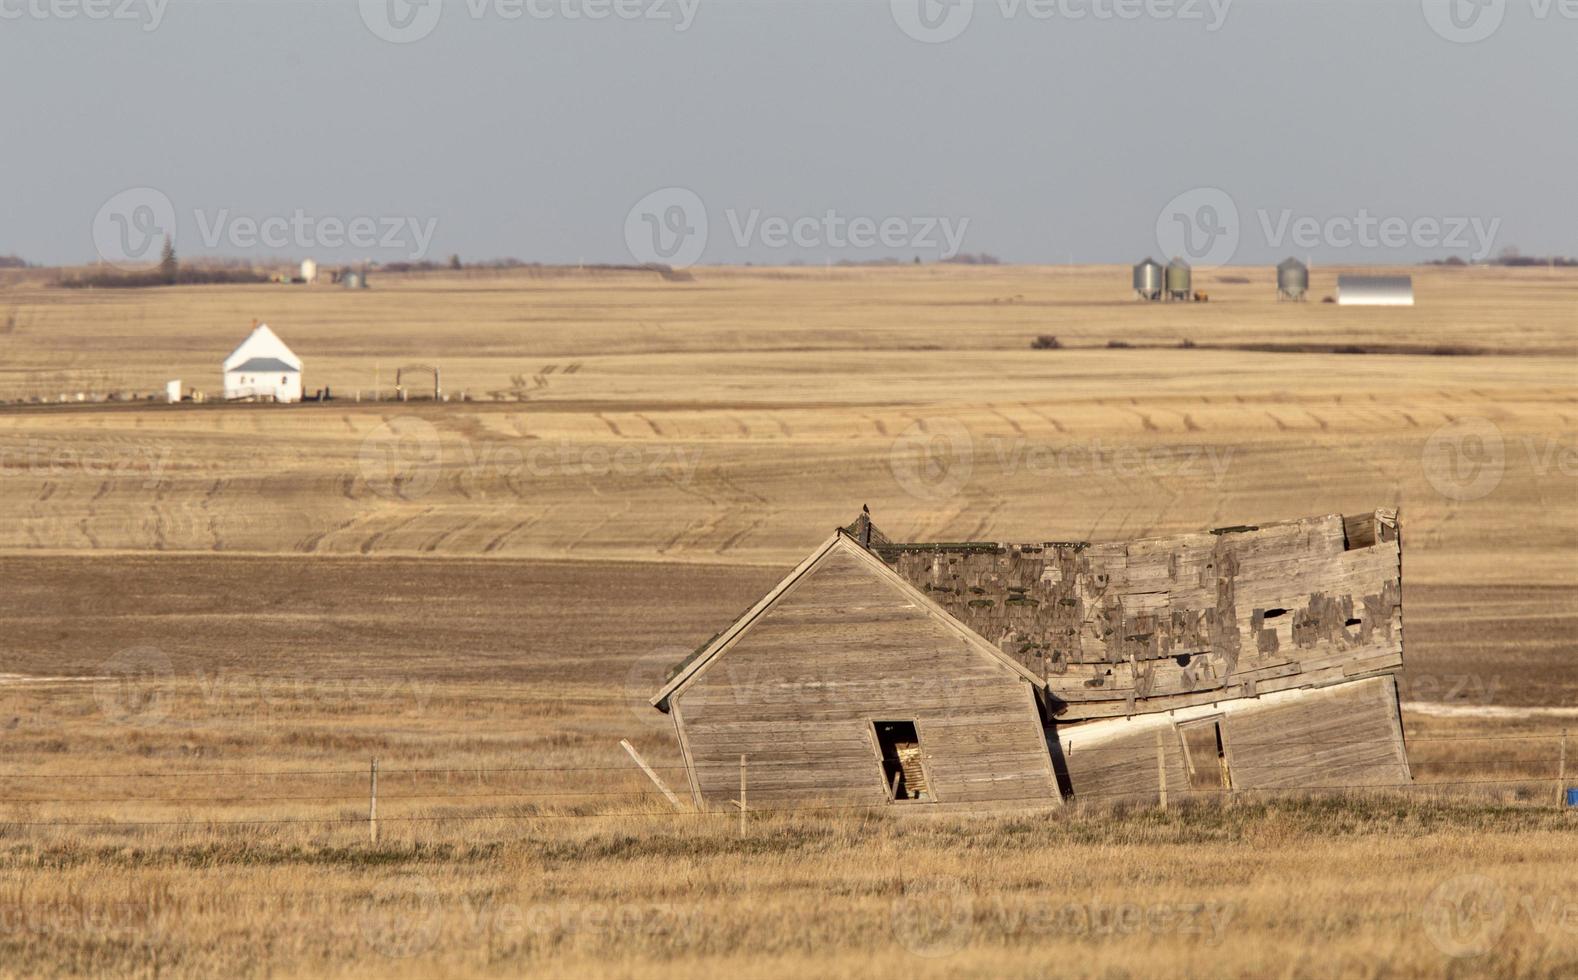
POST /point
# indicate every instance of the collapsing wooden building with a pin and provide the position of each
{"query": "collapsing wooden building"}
(1245, 658)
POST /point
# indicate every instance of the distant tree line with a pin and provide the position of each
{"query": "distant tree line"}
(1512, 258)
(184, 276)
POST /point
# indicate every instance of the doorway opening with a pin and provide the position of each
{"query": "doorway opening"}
(898, 745)
(1205, 752)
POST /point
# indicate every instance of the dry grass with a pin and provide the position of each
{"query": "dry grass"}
(297, 590)
(1337, 888)
(516, 838)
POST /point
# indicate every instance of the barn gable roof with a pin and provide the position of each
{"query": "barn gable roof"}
(841, 542)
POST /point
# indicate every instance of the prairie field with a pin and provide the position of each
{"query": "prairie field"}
(218, 615)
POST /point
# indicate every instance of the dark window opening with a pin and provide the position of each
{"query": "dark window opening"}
(1353, 622)
(902, 772)
(1274, 613)
(1205, 753)
(1358, 531)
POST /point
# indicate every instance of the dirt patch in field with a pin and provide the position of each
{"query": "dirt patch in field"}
(585, 623)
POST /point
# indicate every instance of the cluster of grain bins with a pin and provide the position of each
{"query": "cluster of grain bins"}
(310, 273)
(1154, 283)
(880, 672)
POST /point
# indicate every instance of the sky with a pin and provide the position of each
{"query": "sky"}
(1228, 132)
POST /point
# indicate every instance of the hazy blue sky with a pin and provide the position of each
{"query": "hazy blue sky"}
(1036, 134)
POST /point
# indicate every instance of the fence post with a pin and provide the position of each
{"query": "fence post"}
(1161, 769)
(1561, 775)
(742, 796)
(372, 803)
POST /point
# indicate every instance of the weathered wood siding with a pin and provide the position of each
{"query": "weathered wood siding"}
(797, 692)
(1346, 735)
(1157, 624)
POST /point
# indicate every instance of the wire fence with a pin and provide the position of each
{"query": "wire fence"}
(1548, 774)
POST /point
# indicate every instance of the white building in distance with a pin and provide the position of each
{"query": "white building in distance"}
(263, 367)
(1375, 291)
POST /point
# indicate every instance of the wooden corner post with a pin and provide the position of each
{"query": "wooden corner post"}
(1561, 775)
(372, 802)
(1161, 770)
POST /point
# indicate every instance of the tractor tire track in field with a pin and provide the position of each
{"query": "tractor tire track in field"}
(1018, 429)
(433, 543)
(656, 430)
(730, 485)
(206, 506)
(1056, 425)
(82, 525)
(311, 543)
(497, 542)
(700, 528)
(994, 504)
(591, 529)
(611, 426)
(372, 542)
(734, 539)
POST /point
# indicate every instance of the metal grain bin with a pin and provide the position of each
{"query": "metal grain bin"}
(1180, 279)
(1148, 276)
(1293, 279)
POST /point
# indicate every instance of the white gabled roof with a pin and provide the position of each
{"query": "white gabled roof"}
(262, 343)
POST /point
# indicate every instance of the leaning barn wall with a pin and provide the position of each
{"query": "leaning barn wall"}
(1343, 736)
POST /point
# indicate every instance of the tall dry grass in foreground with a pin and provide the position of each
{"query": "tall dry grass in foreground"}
(1361, 887)
(217, 825)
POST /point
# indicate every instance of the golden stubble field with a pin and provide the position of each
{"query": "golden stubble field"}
(246, 604)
